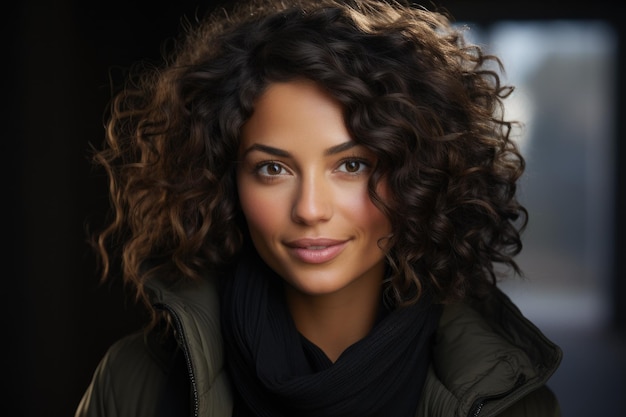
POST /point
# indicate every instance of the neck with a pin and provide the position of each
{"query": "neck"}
(335, 321)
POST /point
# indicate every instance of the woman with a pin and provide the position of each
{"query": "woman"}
(312, 199)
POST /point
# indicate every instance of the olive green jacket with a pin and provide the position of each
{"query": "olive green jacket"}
(488, 361)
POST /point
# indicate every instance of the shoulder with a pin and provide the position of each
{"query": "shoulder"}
(129, 362)
(487, 356)
(126, 382)
(539, 403)
(438, 400)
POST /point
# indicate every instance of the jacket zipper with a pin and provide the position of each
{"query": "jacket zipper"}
(183, 343)
(480, 402)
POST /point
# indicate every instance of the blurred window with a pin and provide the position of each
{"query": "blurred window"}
(565, 77)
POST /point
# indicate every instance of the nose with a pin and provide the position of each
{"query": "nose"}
(313, 201)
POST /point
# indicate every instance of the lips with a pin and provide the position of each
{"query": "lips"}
(316, 251)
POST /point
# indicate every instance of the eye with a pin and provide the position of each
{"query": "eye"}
(270, 169)
(353, 166)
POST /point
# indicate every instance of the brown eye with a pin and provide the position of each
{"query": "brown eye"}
(270, 169)
(273, 169)
(353, 166)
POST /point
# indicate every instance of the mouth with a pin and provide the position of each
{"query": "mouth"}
(316, 251)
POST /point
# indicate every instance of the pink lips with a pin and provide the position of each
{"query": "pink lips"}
(316, 251)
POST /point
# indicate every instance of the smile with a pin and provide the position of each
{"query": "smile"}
(316, 251)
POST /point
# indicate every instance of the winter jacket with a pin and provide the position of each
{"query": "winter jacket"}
(488, 361)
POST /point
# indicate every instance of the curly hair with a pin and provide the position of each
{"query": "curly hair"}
(428, 103)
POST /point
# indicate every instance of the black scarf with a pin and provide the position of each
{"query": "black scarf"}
(277, 372)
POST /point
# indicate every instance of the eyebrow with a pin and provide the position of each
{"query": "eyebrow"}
(280, 152)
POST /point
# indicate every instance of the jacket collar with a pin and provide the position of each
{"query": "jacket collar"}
(487, 355)
(194, 308)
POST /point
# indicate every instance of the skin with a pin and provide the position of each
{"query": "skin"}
(302, 183)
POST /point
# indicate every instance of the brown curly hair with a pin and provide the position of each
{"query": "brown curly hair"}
(414, 91)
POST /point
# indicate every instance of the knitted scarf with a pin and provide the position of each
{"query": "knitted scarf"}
(277, 372)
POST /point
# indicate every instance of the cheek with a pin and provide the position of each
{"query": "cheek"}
(366, 214)
(260, 210)
(378, 222)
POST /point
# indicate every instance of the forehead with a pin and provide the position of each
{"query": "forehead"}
(295, 110)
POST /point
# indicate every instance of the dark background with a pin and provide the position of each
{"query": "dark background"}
(57, 320)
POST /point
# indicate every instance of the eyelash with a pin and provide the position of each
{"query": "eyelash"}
(363, 165)
(263, 165)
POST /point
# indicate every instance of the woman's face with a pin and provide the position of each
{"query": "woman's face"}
(302, 184)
